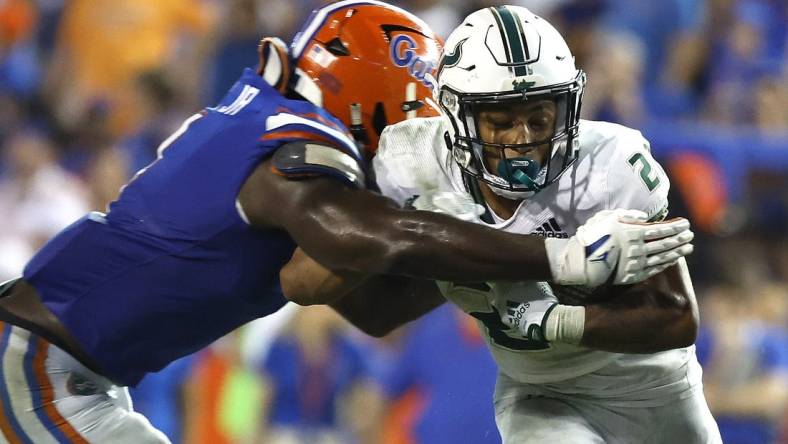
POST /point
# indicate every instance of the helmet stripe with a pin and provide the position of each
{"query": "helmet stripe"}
(514, 39)
(316, 21)
(521, 34)
(504, 40)
(319, 17)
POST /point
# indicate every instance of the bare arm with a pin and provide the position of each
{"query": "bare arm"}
(306, 282)
(658, 314)
(357, 230)
(383, 303)
(374, 304)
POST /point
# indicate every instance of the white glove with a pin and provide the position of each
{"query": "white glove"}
(529, 317)
(459, 205)
(618, 243)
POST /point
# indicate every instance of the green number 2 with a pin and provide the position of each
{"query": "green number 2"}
(645, 171)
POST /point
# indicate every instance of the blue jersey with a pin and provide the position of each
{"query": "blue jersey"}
(174, 264)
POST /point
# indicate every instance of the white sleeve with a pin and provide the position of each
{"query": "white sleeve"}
(635, 180)
(405, 164)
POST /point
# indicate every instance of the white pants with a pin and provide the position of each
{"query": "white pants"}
(47, 396)
(539, 419)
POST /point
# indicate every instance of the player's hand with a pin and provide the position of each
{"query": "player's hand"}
(459, 205)
(620, 247)
(528, 318)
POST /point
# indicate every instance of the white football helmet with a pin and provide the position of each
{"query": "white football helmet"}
(506, 55)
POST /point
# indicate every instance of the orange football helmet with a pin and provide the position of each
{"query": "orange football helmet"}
(368, 63)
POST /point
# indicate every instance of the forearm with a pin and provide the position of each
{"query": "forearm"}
(374, 304)
(631, 330)
(635, 329)
(656, 315)
(361, 231)
(420, 244)
(357, 230)
(383, 303)
(306, 282)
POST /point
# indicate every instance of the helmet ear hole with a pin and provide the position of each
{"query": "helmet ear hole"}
(379, 120)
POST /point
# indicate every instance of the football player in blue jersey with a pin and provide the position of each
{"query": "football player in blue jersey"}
(193, 246)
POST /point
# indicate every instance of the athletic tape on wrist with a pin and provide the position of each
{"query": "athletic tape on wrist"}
(565, 324)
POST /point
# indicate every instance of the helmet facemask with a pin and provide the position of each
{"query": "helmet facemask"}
(513, 170)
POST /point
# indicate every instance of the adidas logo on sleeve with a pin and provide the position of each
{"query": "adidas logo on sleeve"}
(550, 229)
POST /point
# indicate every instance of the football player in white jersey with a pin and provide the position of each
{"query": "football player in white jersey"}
(579, 365)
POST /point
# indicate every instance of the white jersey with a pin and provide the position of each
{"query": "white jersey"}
(614, 169)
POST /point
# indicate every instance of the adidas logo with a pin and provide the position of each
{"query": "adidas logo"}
(550, 229)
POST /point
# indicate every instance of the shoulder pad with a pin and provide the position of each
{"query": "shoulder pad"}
(303, 159)
(288, 125)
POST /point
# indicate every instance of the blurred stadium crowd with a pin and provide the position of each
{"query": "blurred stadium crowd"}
(89, 88)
